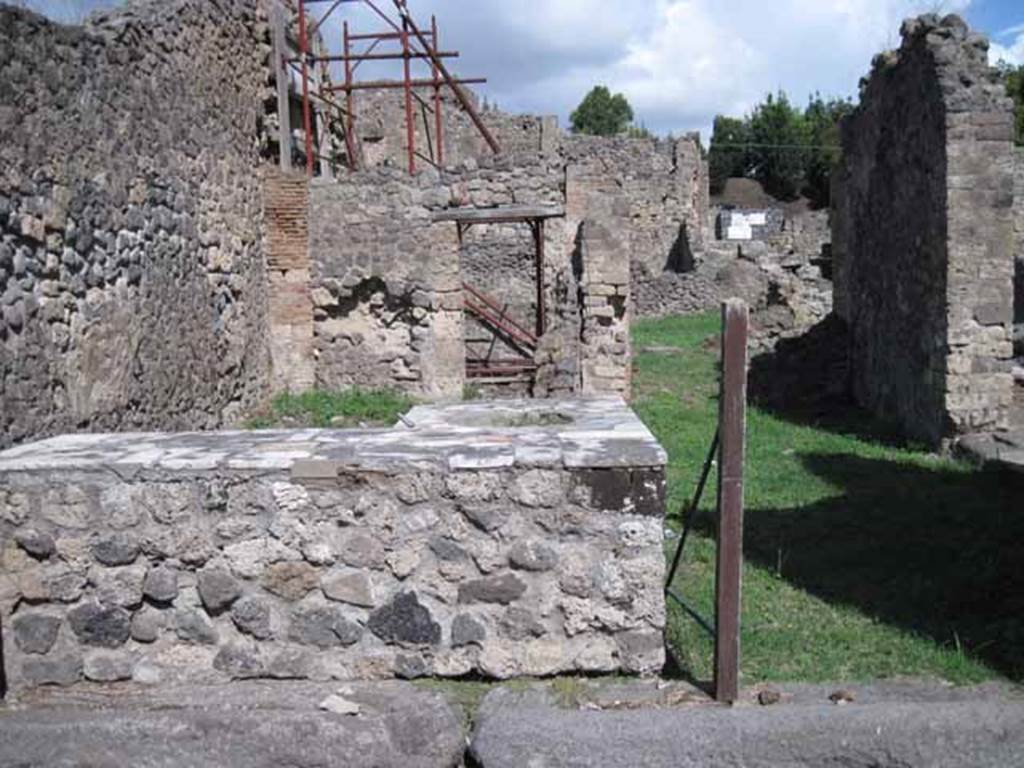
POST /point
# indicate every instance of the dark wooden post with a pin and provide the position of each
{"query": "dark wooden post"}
(278, 25)
(732, 418)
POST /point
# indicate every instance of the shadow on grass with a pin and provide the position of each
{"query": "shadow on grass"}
(934, 551)
(805, 381)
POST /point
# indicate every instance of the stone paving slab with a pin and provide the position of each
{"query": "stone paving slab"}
(1004, 450)
(591, 433)
(242, 725)
(892, 724)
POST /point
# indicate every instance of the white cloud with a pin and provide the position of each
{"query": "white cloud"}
(702, 57)
(1011, 52)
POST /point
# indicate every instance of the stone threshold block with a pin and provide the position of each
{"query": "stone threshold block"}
(241, 725)
(497, 539)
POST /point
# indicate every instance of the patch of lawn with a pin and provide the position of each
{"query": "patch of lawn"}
(319, 408)
(865, 558)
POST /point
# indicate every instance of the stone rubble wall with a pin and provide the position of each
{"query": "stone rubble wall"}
(386, 285)
(132, 287)
(923, 235)
(1018, 217)
(606, 359)
(207, 576)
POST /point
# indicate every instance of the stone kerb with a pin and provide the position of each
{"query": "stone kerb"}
(484, 541)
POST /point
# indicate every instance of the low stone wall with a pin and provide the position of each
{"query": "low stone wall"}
(488, 539)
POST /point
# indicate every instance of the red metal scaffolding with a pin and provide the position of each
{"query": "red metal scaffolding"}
(413, 44)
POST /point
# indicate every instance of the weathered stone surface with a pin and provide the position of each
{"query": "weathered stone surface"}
(121, 586)
(252, 616)
(466, 630)
(218, 589)
(35, 632)
(923, 242)
(323, 626)
(161, 584)
(354, 588)
(405, 620)
(248, 724)
(292, 581)
(115, 549)
(533, 556)
(61, 670)
(108, 667)
(520, 624)
(239, 662)
(495, 589)
(147, 624)
(39, 545)
(950, 728)
(538, 488)
(362, 550)
(193, 627)
(100, 625)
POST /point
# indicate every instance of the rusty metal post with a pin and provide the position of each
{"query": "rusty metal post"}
(438, 127)
(538, 236)
(279, 27)
(732, 418)
(464, 100)
(410, 124)
(307, 117)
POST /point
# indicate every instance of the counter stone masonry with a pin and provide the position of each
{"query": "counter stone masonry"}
(499, 539)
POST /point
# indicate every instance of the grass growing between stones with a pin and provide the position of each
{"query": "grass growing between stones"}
(864, 558)
(320, 408)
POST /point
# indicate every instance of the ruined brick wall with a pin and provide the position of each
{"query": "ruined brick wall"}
(286, 213)
(132, 287)
(923, 232)
(385, 284)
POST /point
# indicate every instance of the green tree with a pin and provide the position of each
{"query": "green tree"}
(821, 122)
(1015, 87)
(602, 114)
(778, 136)
(728, 155)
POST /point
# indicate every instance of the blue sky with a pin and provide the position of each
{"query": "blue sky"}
(679, 62)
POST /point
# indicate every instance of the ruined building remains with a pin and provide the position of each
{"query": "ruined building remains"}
(924, 235)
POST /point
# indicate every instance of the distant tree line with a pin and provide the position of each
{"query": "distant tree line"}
(790, 151)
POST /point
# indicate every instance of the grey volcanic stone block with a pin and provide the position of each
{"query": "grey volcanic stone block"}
(324, 626)
(254, 724)
(353, 588)
(496, 589)
(36, 632)
(62, 670)
(533, 556)
(467, 630)
(39, 545)
(405, 620)
(252, 616)
(116, 549)
(103, 667)
(947, 729)
(99, 625)
(193, 627)
(161, 584)
(218, 589)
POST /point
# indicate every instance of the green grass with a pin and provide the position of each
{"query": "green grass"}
(319, 408)
(864, 558)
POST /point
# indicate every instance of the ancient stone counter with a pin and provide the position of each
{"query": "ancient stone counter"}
(503, 540)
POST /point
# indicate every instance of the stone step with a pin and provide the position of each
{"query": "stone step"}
(908, 725)
(241, 725)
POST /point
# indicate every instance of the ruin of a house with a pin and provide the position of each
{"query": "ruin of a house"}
(170, 257)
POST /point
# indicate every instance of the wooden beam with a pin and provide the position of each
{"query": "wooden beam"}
(278, 25)
(729, 564)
